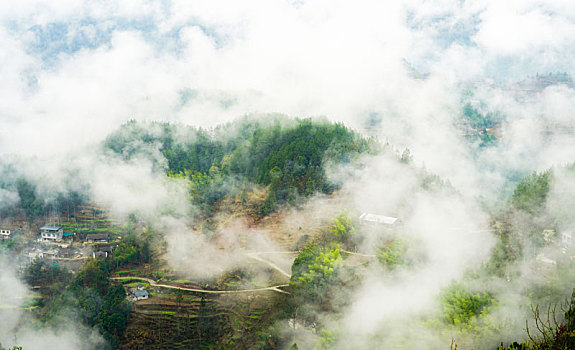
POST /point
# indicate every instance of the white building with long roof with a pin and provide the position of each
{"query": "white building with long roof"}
(375, 219)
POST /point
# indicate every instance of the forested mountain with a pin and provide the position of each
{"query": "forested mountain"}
(297, 301)
(288, 155)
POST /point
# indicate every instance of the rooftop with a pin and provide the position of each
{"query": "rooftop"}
(381, 219)
(50, 228)
(141, 293)
(97, 236)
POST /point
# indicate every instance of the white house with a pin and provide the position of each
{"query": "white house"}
(373, 219)
(51, 233)
(141, 294)
(5, 234)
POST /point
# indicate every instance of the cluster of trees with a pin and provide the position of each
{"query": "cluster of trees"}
(343, 227)
(465, 309)
(480, 122)
(131, 251)
(314, 273)
(32, 204)
(289, 156)
(477, 120)
(97, 301)
(51, 276)
(530, 195)
(394, 254)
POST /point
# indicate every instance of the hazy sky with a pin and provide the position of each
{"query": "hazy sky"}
(72, 70)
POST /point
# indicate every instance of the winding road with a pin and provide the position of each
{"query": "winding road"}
(275, 288)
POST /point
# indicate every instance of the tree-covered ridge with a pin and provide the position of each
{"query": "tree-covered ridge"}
(288, 155)
(530, 195)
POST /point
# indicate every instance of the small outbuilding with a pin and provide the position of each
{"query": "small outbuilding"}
(374, 219)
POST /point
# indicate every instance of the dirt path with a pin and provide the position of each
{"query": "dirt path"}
(256, 256)
(275, 288)
(358, 254)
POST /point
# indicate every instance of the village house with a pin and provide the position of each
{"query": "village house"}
(51, 233)
(140, 295)
(39, 253)
(102, 253)
(97, 238)
(5, 234)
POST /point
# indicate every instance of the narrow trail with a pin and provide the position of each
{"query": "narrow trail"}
(256, 256)
(70, 259)
(358, 254)
(275, 288)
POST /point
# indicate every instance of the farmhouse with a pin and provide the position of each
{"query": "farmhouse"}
(140, 295)
(51, 233)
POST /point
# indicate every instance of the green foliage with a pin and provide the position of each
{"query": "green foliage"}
(464, 309)
(406, 157)
(98, 303)
(34, 272)
(476, 120)
(305, 258)
(95, 274)
(317, 270)
(112, 318)
(506, 252)
(433, 183)
(530, 195)
(125, 253)
(131, 251)
(393, 255)
(328, 339)
(34, 205)
(52, 277)
(28, 200)
(343, 227)
(206, 189)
